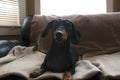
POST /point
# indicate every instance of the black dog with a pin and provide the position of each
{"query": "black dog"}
(60, 57)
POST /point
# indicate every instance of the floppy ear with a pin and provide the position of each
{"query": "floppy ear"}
(48, 27)
(75, 39)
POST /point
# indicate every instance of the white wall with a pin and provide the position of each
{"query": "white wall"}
(109, 5)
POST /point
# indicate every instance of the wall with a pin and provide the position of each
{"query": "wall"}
(116, 5)
(109, 5)
(32, 7)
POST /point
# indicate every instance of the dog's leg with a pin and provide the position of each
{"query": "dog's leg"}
(69, 72)
(37, 73)
(67, 76)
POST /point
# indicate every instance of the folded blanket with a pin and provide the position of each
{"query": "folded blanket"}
(108, 64)
(21, 61)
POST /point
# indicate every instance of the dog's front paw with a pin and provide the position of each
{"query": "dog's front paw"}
(37, 73)
(34, 74)
(67, 76)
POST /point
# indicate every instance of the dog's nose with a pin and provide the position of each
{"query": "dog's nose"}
(59, 35)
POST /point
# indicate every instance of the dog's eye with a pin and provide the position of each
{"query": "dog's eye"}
(55, 24)
(67, 23)
(68, 26)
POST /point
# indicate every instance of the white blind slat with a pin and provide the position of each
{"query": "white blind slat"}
(9, 13)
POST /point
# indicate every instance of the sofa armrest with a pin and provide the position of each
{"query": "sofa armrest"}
(25, 28)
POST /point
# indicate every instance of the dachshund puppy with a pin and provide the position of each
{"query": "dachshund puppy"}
(60, 57)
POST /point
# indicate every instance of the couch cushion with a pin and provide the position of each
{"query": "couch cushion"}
(98, 32)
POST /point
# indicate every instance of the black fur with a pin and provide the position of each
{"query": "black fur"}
(60, 56)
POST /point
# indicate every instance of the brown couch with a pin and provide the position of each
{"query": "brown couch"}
(99, 45)
(99, 33)
(100, 39)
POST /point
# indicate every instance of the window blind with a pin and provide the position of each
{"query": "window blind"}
(9, 13)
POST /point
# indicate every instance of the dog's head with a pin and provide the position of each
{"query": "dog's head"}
(62, 30)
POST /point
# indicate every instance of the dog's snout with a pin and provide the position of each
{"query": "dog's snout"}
(59, 35)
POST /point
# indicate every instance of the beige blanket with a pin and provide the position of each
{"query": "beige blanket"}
(22, 60)
(108, 64)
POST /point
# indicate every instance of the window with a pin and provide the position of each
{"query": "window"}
(66, 7)
(9, 13)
